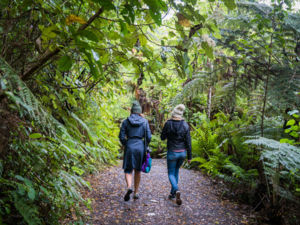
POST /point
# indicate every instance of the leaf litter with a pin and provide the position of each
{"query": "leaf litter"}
(201, 204)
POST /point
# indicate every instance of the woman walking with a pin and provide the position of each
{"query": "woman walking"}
(133, 130)
(177, 133)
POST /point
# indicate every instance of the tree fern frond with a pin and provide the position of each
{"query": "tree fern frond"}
(259, 8)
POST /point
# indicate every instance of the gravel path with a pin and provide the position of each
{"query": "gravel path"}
(200, 203)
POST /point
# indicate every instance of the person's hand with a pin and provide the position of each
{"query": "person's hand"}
(141, 114)
(189, 161)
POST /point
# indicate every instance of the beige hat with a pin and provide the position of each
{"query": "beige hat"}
(178, 111)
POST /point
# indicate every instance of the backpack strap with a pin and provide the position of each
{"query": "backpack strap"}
(145, 138)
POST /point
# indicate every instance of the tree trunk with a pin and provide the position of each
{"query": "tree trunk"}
(233, 95)
(209, 102)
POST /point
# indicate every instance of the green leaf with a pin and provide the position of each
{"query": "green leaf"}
(89, 34)
(230, 4)
(285, 140)
(49, 32)
(143, 40)
(208, 50)
(104, 58)
(77, 170)
(124, 29)
(172, 34)
(81, 95)
(108, 5)
(35, 135)
(294, 134)
(65, 63)
(45, 190)
(295, 128)
(19, 177)
(199, 159)
(31, 193)
(291, 122)
(72, 101)
(239, 61)
(54, 104)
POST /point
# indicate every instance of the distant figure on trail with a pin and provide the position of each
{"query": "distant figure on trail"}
(133, 130)
(177, 132)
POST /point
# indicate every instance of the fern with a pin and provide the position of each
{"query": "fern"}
(28, 211)
(52, 161)
(259, 8)
(82, 124)
(19, 93)
(281, 160)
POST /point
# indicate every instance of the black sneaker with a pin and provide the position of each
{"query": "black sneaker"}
(127, 196)
(171, 196)
(136, 196)
(178, 199)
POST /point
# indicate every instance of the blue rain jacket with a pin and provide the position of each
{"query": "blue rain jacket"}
(134, 130)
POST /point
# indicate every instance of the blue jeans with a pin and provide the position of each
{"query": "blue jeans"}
(174, 162)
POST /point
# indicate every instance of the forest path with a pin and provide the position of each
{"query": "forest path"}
(200, 203)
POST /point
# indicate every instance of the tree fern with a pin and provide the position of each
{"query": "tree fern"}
(192, 88)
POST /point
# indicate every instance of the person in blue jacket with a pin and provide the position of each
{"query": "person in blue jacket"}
(134, 131)
(177, 132)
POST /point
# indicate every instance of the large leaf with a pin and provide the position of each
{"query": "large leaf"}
(35, 135)
(89, 34)
(208, 49)
(230, 4)
(65, 63)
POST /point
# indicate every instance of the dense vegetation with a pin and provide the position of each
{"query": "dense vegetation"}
(69, 70)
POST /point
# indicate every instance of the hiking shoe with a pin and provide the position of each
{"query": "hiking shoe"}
(171, 196)
(178, 199)
(136, 196)
(127, 196)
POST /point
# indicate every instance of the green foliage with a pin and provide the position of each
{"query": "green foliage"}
(157, 146)
(292, 128)
(44, 168)
(234, 64)
(281, 164)
(218, 149)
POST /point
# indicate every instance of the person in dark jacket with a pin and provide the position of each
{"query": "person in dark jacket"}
(133, 130)
(177, 133)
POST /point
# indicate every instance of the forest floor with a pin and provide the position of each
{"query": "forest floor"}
(200, 202)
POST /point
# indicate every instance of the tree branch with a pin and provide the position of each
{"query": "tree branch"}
(49, 54)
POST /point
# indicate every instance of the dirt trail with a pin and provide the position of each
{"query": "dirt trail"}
(200, 203)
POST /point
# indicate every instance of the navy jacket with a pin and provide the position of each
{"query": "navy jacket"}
(178, 134)
(134, 127)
